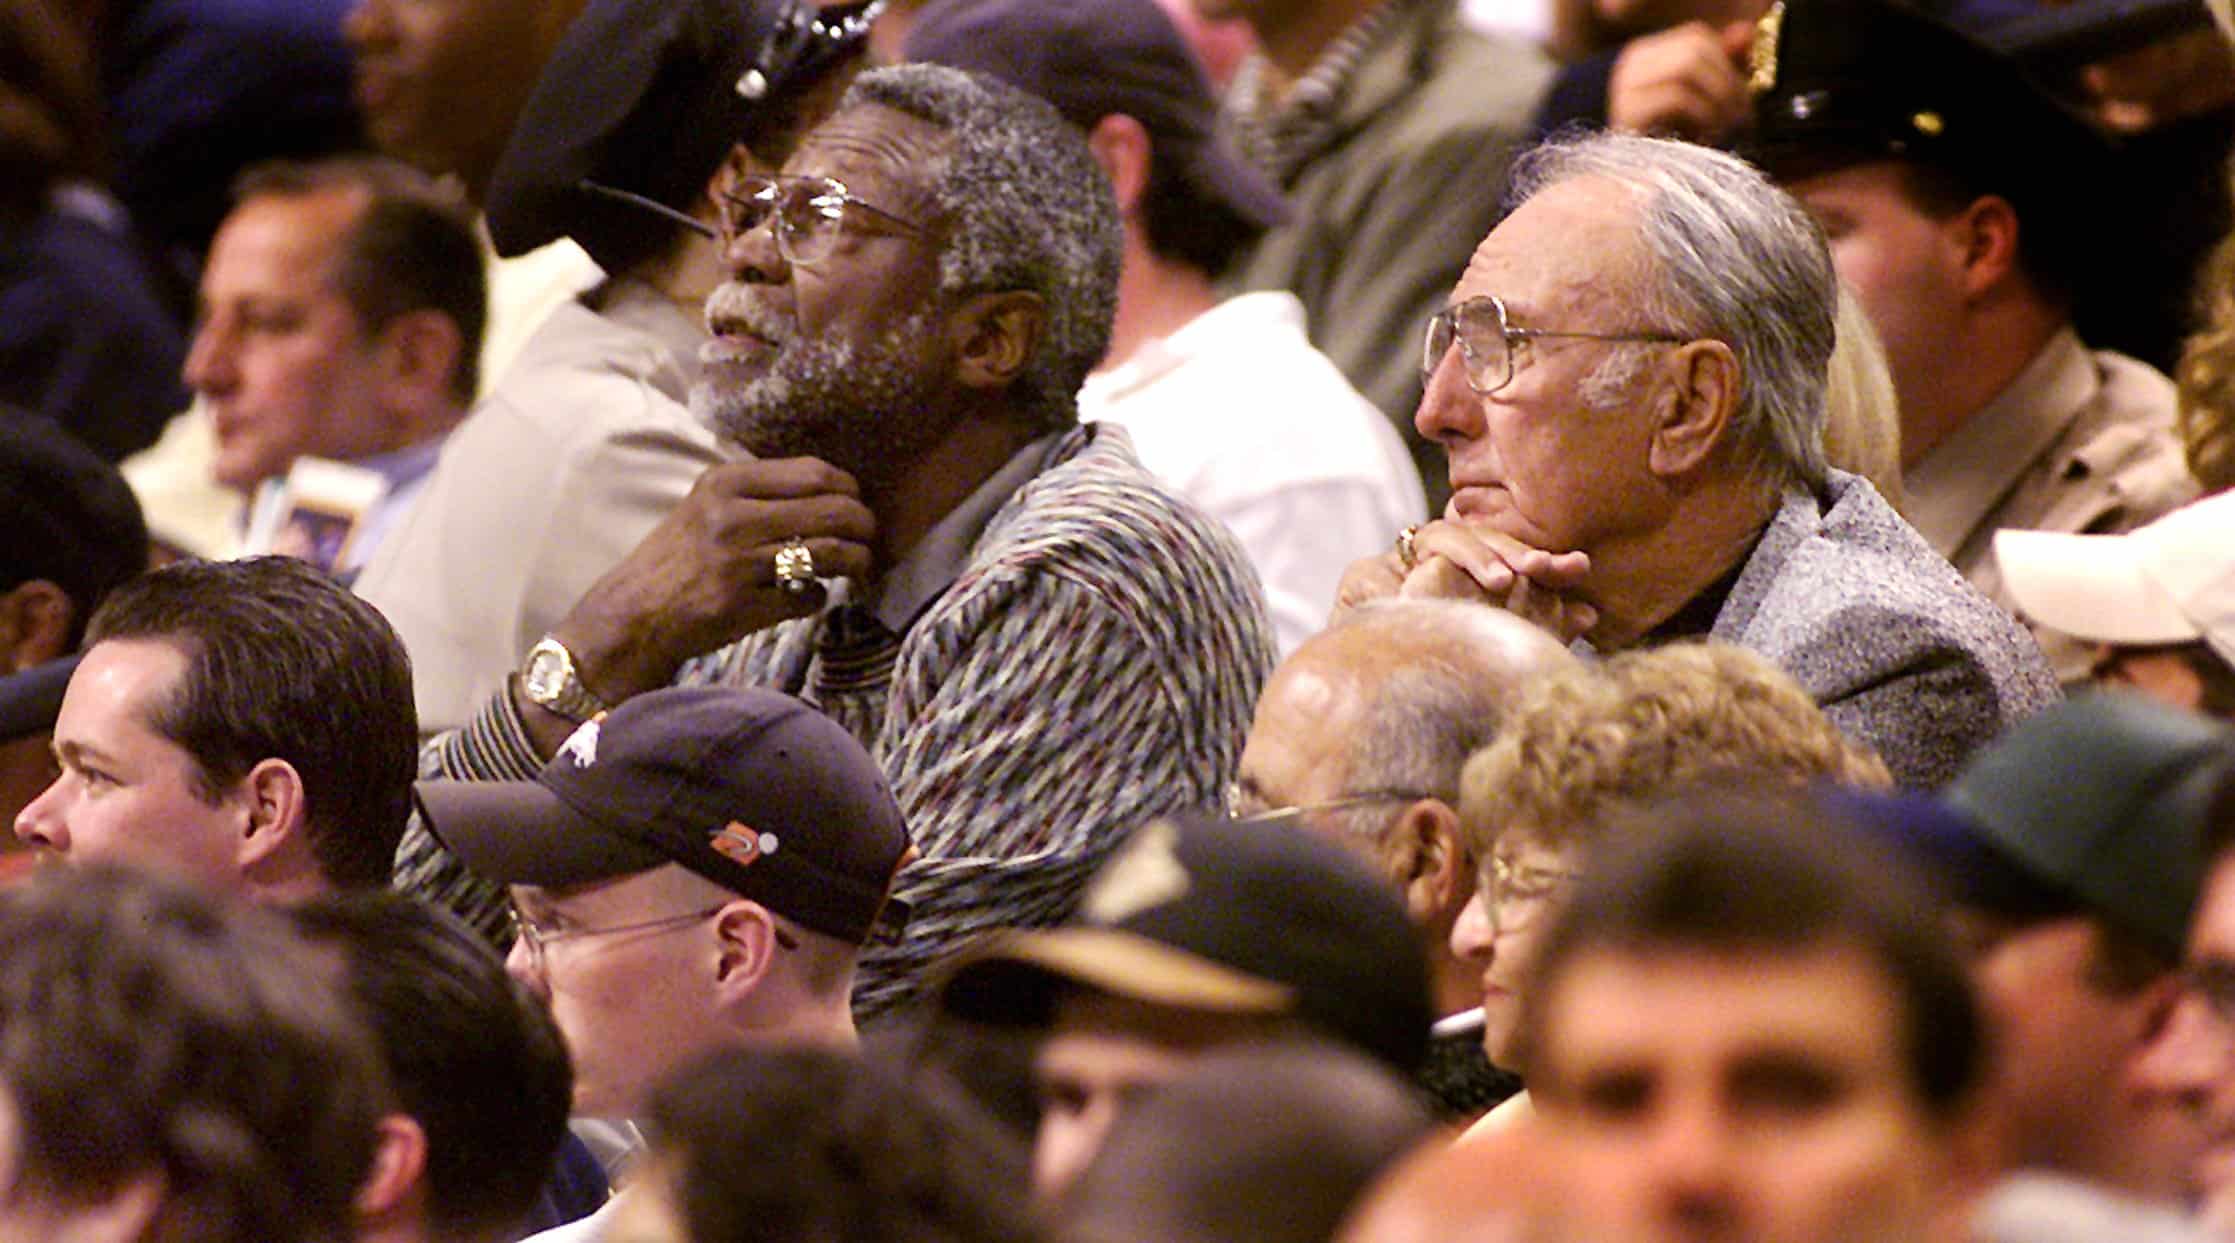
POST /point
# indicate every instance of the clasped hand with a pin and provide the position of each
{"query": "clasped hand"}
(1454, 561)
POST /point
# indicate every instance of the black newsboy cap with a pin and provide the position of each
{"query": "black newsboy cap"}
(647, 96)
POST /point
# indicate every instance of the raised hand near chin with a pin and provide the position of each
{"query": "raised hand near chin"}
(709, 573)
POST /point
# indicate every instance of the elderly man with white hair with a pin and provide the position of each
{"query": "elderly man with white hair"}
(1628, 383)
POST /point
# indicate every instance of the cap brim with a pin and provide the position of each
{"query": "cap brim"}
(31, 700)
(1014, 978)
(2088, 586)
(1222, 173)
(520, 833)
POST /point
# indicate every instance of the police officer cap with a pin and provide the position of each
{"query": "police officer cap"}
(1844, 82)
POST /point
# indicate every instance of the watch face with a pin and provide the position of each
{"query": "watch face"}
(547, 674)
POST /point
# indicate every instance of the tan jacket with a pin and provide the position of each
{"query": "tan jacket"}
(2081, 442)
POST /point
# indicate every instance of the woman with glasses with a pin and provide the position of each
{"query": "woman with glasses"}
(1585, 747)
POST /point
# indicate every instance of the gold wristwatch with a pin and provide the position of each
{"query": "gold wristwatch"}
(552, 683)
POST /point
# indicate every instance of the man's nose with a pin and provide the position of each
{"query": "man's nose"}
(40, 824)
(209, 360)
(1691, 1155)
(1450, 411)
(520, 962)
(753, 255)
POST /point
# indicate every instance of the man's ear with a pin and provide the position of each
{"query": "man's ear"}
(272, 794)
(1985, 240)
(1121, 146)
(995, 335)
(399, 1165)
(35, 621)
(422, 350)
(1428, 859)
(1695, 419)
(746, 933)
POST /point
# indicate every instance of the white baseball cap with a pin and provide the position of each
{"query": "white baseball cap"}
(2172, 581)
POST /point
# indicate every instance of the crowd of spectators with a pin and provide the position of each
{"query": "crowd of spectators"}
(1117, 621)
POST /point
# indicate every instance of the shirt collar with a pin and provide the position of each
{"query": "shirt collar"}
(400, 466)
(938, 558)
(1279, 132)
(1967, 475)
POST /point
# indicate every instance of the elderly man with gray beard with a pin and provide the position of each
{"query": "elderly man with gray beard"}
(1041, 646)
(1628, 383)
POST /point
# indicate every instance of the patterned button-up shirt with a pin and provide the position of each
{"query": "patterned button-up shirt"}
(1093, 663)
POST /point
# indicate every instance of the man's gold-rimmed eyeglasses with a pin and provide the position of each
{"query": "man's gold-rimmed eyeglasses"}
(807, 214)
(1487, 341)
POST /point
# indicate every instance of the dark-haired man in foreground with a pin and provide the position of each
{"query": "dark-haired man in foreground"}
(1745, 1028)
(247, 724)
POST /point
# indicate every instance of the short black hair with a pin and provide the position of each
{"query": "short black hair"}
(1729, 871)
(412, 248)
(471, 1055)
(147, 1027)
(283, 662)
(808, 1143)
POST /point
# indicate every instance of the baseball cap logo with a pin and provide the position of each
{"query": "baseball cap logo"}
(1146, 873)
(741, 844)
(581, 746)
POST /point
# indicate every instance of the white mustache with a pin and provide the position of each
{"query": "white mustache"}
(732, 306)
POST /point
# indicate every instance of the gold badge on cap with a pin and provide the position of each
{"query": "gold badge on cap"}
(1146, 873)
(740, 844)
(1761, 54)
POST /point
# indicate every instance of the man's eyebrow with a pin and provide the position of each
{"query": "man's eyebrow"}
(75, 753)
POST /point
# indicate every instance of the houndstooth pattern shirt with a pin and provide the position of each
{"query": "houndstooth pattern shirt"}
(1093, 663)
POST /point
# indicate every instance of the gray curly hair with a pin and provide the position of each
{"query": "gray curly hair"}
(1027, 209)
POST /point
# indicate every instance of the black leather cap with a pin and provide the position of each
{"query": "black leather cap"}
(647, 96)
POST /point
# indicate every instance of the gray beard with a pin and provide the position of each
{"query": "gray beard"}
(867, 407)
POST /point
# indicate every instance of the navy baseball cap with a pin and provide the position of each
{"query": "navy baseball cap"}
(1093, 58)
(751, 789)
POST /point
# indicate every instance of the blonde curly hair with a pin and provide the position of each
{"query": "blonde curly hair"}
(1598, 738)
(2206, 376)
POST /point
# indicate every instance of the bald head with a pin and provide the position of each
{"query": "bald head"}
(1393, 697)
(1368, 725)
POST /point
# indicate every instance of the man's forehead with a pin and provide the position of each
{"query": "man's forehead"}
(295, 238)
(1563, 242)
(611, 894)
(1733, 999)
(870, 140)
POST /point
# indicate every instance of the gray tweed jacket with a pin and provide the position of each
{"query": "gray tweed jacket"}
(1902, 653)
